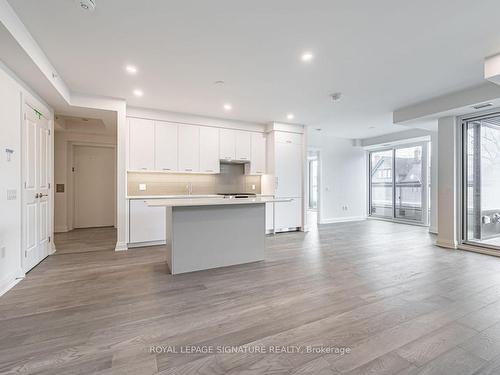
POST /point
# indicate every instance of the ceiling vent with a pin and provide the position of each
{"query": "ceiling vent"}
(481, 106)
(88, 5)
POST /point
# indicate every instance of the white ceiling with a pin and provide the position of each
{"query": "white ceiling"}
(382, 55)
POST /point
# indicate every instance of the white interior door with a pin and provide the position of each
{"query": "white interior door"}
(94, 171)
(36, 197)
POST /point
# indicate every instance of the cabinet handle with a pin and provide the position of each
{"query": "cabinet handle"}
(144, 169)
(258, 172)
(167, 169)
(243, 158)
(188, 169)
(288, 141)
(209, 170)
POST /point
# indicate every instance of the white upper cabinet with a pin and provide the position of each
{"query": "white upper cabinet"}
(243, 141)
(209, 150)
(165, 146)
(227, 144)
(258, 155)
(141, 144)
(189, 148)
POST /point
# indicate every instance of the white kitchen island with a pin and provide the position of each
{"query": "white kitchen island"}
(204, 233)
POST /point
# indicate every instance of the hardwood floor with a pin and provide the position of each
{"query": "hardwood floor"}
(85, 240)
(378, 289)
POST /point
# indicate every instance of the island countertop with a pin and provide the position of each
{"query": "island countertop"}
(186, 202)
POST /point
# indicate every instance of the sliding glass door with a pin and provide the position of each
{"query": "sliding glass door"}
(481, 217)
(398, 183)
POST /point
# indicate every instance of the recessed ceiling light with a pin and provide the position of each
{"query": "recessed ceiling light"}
(228, 107)
(290, 116)
(307, 57)
(138, 92)
(131, 69)
(219, 82)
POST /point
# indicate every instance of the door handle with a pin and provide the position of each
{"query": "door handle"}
(36, 196)
(42, 195)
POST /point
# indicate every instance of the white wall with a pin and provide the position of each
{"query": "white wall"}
(63, 155)
(12, 94)
(342, 178)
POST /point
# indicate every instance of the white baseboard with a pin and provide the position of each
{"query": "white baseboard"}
(10, 281)
(121, 246)
(144, 244)
(433, 230)
(447, 244)
(61, 229)
(342, 219)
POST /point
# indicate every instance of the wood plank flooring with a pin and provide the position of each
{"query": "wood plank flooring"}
(381, 290)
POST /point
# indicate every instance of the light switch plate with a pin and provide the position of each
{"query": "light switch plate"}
(142, 187)
(11, 194)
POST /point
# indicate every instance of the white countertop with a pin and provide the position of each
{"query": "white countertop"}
(193, 196)
(186, 202)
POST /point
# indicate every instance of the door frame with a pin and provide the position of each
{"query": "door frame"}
(28, 100)
(72, 189)
(462, 146)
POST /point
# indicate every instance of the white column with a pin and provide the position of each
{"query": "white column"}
(447, 183)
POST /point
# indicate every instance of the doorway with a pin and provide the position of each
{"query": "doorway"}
(313, 165)
(94, 186)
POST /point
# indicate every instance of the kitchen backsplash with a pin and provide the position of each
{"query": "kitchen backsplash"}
(231, 180)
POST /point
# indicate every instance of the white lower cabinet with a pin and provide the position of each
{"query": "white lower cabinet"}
(146, 224)
(288, 214)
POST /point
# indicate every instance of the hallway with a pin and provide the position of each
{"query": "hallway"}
(85, 240)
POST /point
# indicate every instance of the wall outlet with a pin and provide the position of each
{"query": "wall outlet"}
(253, 186)
(11, 194)
(142, 187)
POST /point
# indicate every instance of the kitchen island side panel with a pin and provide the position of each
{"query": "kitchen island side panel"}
(205, 237)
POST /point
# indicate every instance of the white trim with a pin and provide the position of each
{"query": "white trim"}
(7, 283)
(447, 244)
(342, 219)
(147, 243)
(121, 246)
(61, 229)
(433, 230)
(391, 144)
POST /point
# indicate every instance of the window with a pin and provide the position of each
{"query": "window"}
(398, 183)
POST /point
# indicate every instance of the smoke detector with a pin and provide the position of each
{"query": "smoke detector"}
(336, 96)
(87, 4)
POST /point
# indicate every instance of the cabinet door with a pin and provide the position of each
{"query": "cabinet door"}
(141, 144)
(209, 150)
(227, 144)
(243, 149)
(288, 173)
(146, 224)
(288, 214)
(258, 154)
(189, 148)
(165, 146)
